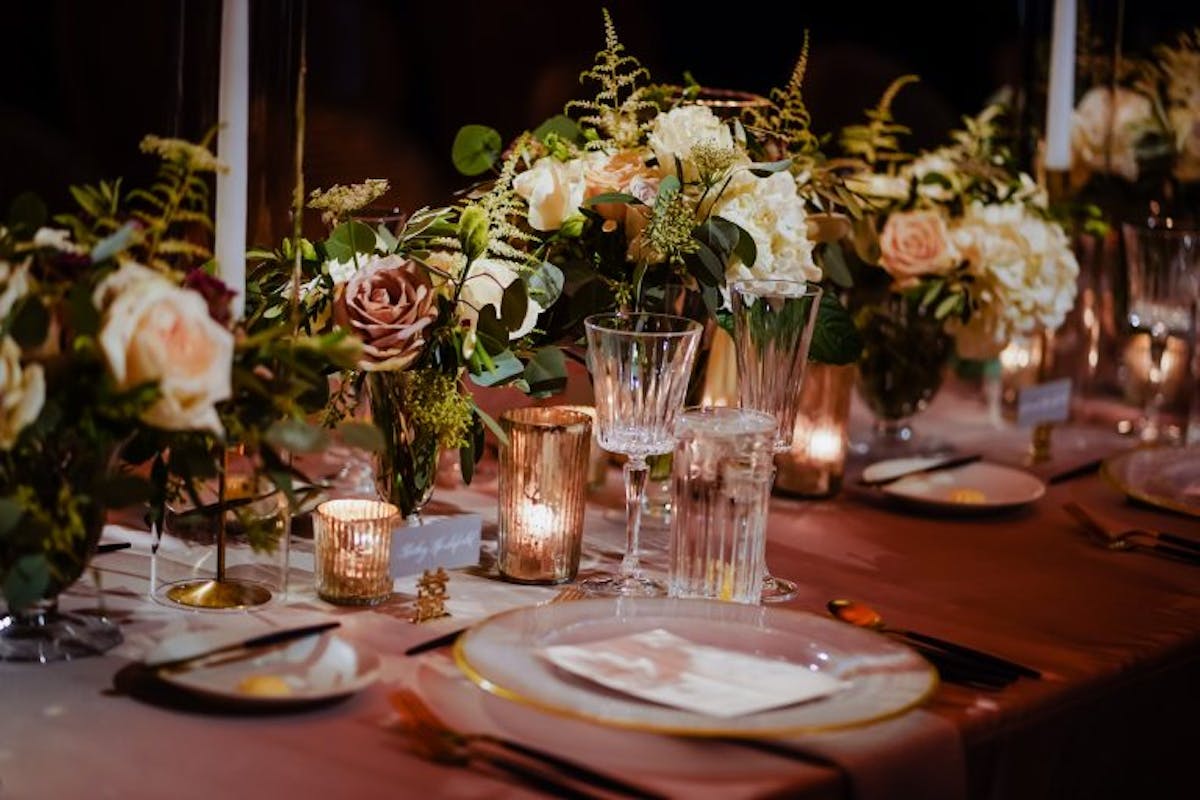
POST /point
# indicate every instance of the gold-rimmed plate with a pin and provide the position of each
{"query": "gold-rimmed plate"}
(501, 655)
(1165, 477)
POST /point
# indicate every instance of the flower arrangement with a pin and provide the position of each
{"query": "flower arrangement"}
(642, 199)
(1144, 121)
(961, 231)
(442, 303)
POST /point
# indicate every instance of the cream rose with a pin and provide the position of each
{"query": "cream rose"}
(1103, 138)
(942, 186)
(617, 173)
(22, 393)
(57, 239)
(153, 331)
(388, 304)
(554, 189)
(484, 286)
(14, 284)
(916, 243)
(675, 133)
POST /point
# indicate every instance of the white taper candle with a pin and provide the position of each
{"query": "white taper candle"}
(1060, 95)
(233, 149)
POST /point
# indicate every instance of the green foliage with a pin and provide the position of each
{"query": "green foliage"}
(835, 340)
(878, 141)
(787, 117)
(620, 102)
(476, 149)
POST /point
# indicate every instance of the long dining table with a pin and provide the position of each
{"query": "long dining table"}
(1115, 634)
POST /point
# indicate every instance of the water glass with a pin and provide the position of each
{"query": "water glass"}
(773, 324)
(1164, 272)
(721, 490)
(640, 366)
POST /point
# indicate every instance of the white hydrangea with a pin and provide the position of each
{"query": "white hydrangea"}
(939, 163)
(1025, 275)
(676, 133)
(771, 211)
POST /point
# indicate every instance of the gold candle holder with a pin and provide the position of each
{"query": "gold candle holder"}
(543, 479)
(353, 546)
(815, 464)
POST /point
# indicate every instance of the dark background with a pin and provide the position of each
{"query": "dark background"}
(390, 82)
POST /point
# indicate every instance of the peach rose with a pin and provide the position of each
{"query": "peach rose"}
(22, 393)
(916, 243)
(616, 174)
(388, 304)
(154, 331)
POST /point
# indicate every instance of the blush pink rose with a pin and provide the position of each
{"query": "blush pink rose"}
(615, 175)
(916, 243)
(388, 305)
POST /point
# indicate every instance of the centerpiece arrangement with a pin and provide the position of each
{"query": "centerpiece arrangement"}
(959, 251)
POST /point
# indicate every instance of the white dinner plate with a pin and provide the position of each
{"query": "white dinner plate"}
(501, 655)
(977, 488)
(1166, 477)
(308, 670)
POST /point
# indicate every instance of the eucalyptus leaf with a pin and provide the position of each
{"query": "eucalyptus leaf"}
(948, 304)
(514, 304)
(762, 169)
(27, 580)
(707, 267)
(547, 371)
(476, 148)
(490, 331)
(491, 425)
(746, 250)
(612, 197)
(297, 436)
(720, 234)
(669, 186)
(544, 284)
(114, 243)
(833, 264)
(835, 338)
(361, 435)
(10, 514)
(350, 239)
(562, 126)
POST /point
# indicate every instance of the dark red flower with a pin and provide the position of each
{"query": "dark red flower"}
(214, 291)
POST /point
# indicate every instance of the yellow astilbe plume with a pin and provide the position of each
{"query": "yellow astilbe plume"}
(878, 140)
(787, 117)
(616, 111)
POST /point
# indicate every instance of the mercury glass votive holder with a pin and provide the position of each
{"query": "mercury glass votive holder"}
(597, 468)
(352, 540)
(542, 493)
(815, 463)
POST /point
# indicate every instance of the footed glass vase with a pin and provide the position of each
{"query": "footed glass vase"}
(37, 630)
(406, 468)
(905, 350)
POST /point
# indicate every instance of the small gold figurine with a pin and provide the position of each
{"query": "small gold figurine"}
(431, 596)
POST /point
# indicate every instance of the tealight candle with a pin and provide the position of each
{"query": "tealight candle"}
(353, 545)
(543, 477)
(814, 465)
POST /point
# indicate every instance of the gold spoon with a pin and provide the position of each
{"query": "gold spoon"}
(862, 615)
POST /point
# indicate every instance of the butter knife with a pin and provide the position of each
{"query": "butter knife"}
(253, 643)
(951, 463)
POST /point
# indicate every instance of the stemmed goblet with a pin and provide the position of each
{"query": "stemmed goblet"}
(1164, 275)
(640, 365)
(773, 324)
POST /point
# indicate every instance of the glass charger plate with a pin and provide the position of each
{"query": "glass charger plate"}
(1166, 477)
(310, 670)
(500, 655)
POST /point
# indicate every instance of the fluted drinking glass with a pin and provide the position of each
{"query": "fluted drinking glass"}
(640, 365)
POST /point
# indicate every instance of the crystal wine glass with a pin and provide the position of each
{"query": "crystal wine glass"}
(640, 365)
(1164, 270)
(773, 324)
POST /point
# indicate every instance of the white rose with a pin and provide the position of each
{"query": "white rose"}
(771, 211)
(484, 286)
(57, 239)
(1104, 139)
(156, 332)
(877, 185)
(22, 393)
(555, 189)
(1025, 275)
(675, 133)
(14, 284)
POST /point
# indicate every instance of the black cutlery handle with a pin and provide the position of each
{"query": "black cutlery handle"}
(954, 668)
(286, 636)
(1190, 556)
(1180, 541)
(970, 652)
(445, 640)
(578, 770)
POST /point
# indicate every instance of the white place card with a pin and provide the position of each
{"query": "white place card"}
(450, 542)
(659, 666)
(1045, 402)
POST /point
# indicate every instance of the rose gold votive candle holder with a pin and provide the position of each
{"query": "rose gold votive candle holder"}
(543, 488)
(352, 540)
(815, 464)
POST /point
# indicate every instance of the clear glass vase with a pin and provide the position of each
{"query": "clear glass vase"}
(406, 469)
(905, 350)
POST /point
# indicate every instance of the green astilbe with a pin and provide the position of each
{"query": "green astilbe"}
(787, 117)
(502, 205)
(621, 102)
(878, 141)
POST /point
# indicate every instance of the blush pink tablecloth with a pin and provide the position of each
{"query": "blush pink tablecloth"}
(1117, 635)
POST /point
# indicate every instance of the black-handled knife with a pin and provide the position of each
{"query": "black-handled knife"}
(960, 461)
(979, 656)
(445, 640)
(254, 642)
